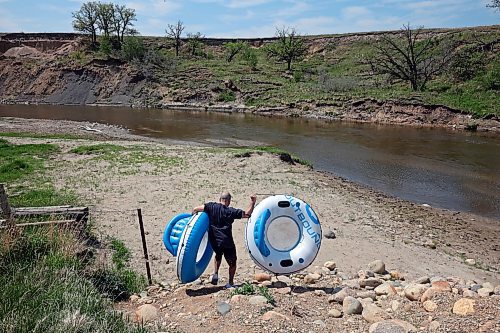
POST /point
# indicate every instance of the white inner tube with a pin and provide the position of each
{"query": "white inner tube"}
(283, 235)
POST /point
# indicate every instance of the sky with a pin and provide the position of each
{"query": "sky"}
(258, 18)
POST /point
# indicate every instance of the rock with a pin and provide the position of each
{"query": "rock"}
(223, 308)
(353, 284)
(497, 290)
(370, 282)
(470, 262)
(341, 295)
(367, 294)
(430, 243)
(284, 291)
(372, 313)
(395, 305)
(257, 300)
(265, 284)
(377, 266)
(484, 292)
(319, 322)
(282, 278)
(422, 280)
(385, 289)
(414, 291)
(392, 326)
(330, 235)
(429, 306)
(487, 327)
(442, 286)
(261, 277)
(469, 293)
(429, 294)
(331, 265)
(351, 305)
(463, 306)
(237, 299)
(312, 278)
(134, 298)
(475, 287)
(146, 313)
(270, 315)
(319, 292)
(334, 313)
(279, 284)
(396, 275)
(434, 325)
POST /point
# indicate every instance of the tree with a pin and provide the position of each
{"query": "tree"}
(289, 47)
(174, 32)
(494, 4)
(122, 21)
(85, 20)
(232, 49)
(250, 57)
(105, 18)
(411, 58)
(195, 42)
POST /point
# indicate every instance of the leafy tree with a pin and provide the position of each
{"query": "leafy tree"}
(411, 58)
(195, 42)
(174, 32)
(105, 45)
(122, 21)
(232, 49)
(85, 20)
(133, 48)
(289, 47)
(105, 18)
(494, 4)
(249, 55)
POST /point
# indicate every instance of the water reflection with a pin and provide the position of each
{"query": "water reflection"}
(458, 171)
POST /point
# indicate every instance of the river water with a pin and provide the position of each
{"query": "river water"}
(453, 170)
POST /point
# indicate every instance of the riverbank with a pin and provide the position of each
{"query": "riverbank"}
(175, 177)
(452, 254)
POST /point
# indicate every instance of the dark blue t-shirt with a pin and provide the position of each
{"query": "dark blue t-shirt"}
(220, 232)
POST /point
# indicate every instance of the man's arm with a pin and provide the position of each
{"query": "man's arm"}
(198, 209)
(251, 206)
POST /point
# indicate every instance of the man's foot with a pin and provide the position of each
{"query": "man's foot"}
(229, 286)
(215, 279)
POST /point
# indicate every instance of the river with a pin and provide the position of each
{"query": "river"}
(458, 171)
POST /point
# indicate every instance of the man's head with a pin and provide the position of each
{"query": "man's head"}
(225, 198)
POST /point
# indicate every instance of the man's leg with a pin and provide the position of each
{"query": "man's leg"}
(217, 262)
(230, 255)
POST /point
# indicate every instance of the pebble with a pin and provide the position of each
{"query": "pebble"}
(463, 306)
(414, 291)
(331, 265)
(470, 262)
(335, 313)
(269, 315)
(484, 292)
(312, 278)
(392, 326)
(146, 313)
(223, 308)
(385, 289)
(370, 282)
(261, 277)
(257, 300)
(330, 234)
(377, 266)
(372, 313)
(429, 306)
(422, 280)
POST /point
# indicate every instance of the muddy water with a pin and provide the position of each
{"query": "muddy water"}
(457, 171)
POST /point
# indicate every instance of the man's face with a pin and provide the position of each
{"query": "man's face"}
(225, 201)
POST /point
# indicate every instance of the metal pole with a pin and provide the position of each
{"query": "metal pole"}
(144, 246)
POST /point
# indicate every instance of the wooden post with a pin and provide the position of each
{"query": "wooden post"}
(144, 246)
(4, 205)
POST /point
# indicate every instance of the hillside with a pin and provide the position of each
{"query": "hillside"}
(332, 82)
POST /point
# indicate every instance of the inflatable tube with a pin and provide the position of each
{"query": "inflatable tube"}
(283, 235)
(186, 236)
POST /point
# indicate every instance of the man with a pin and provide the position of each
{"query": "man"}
(220, 232)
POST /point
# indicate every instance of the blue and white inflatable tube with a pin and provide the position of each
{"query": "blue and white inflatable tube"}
(283, 235)
(186, 237)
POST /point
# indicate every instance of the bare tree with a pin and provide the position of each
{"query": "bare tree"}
(410, 57)
(174, 32)
(85, 20)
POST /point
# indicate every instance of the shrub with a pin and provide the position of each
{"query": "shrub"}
(105, 45)
(226, 96)
(133, 48)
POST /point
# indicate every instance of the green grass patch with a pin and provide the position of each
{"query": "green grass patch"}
(48, 287)
(41, 136)
(44, 196)
(20, 161)
(247, 151)
(99, 149)
(249, 289)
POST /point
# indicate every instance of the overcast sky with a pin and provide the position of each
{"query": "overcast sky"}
(258, 18)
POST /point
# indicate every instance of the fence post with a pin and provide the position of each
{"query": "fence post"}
(144, 246)
(4, 205)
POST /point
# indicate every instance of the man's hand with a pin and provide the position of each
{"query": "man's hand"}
(253, 197)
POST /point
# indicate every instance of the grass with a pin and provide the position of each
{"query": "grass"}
(47, 286)
(41, 136)
(249, 289)
(128, 160)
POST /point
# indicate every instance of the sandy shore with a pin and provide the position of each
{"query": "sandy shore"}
(173, 177)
